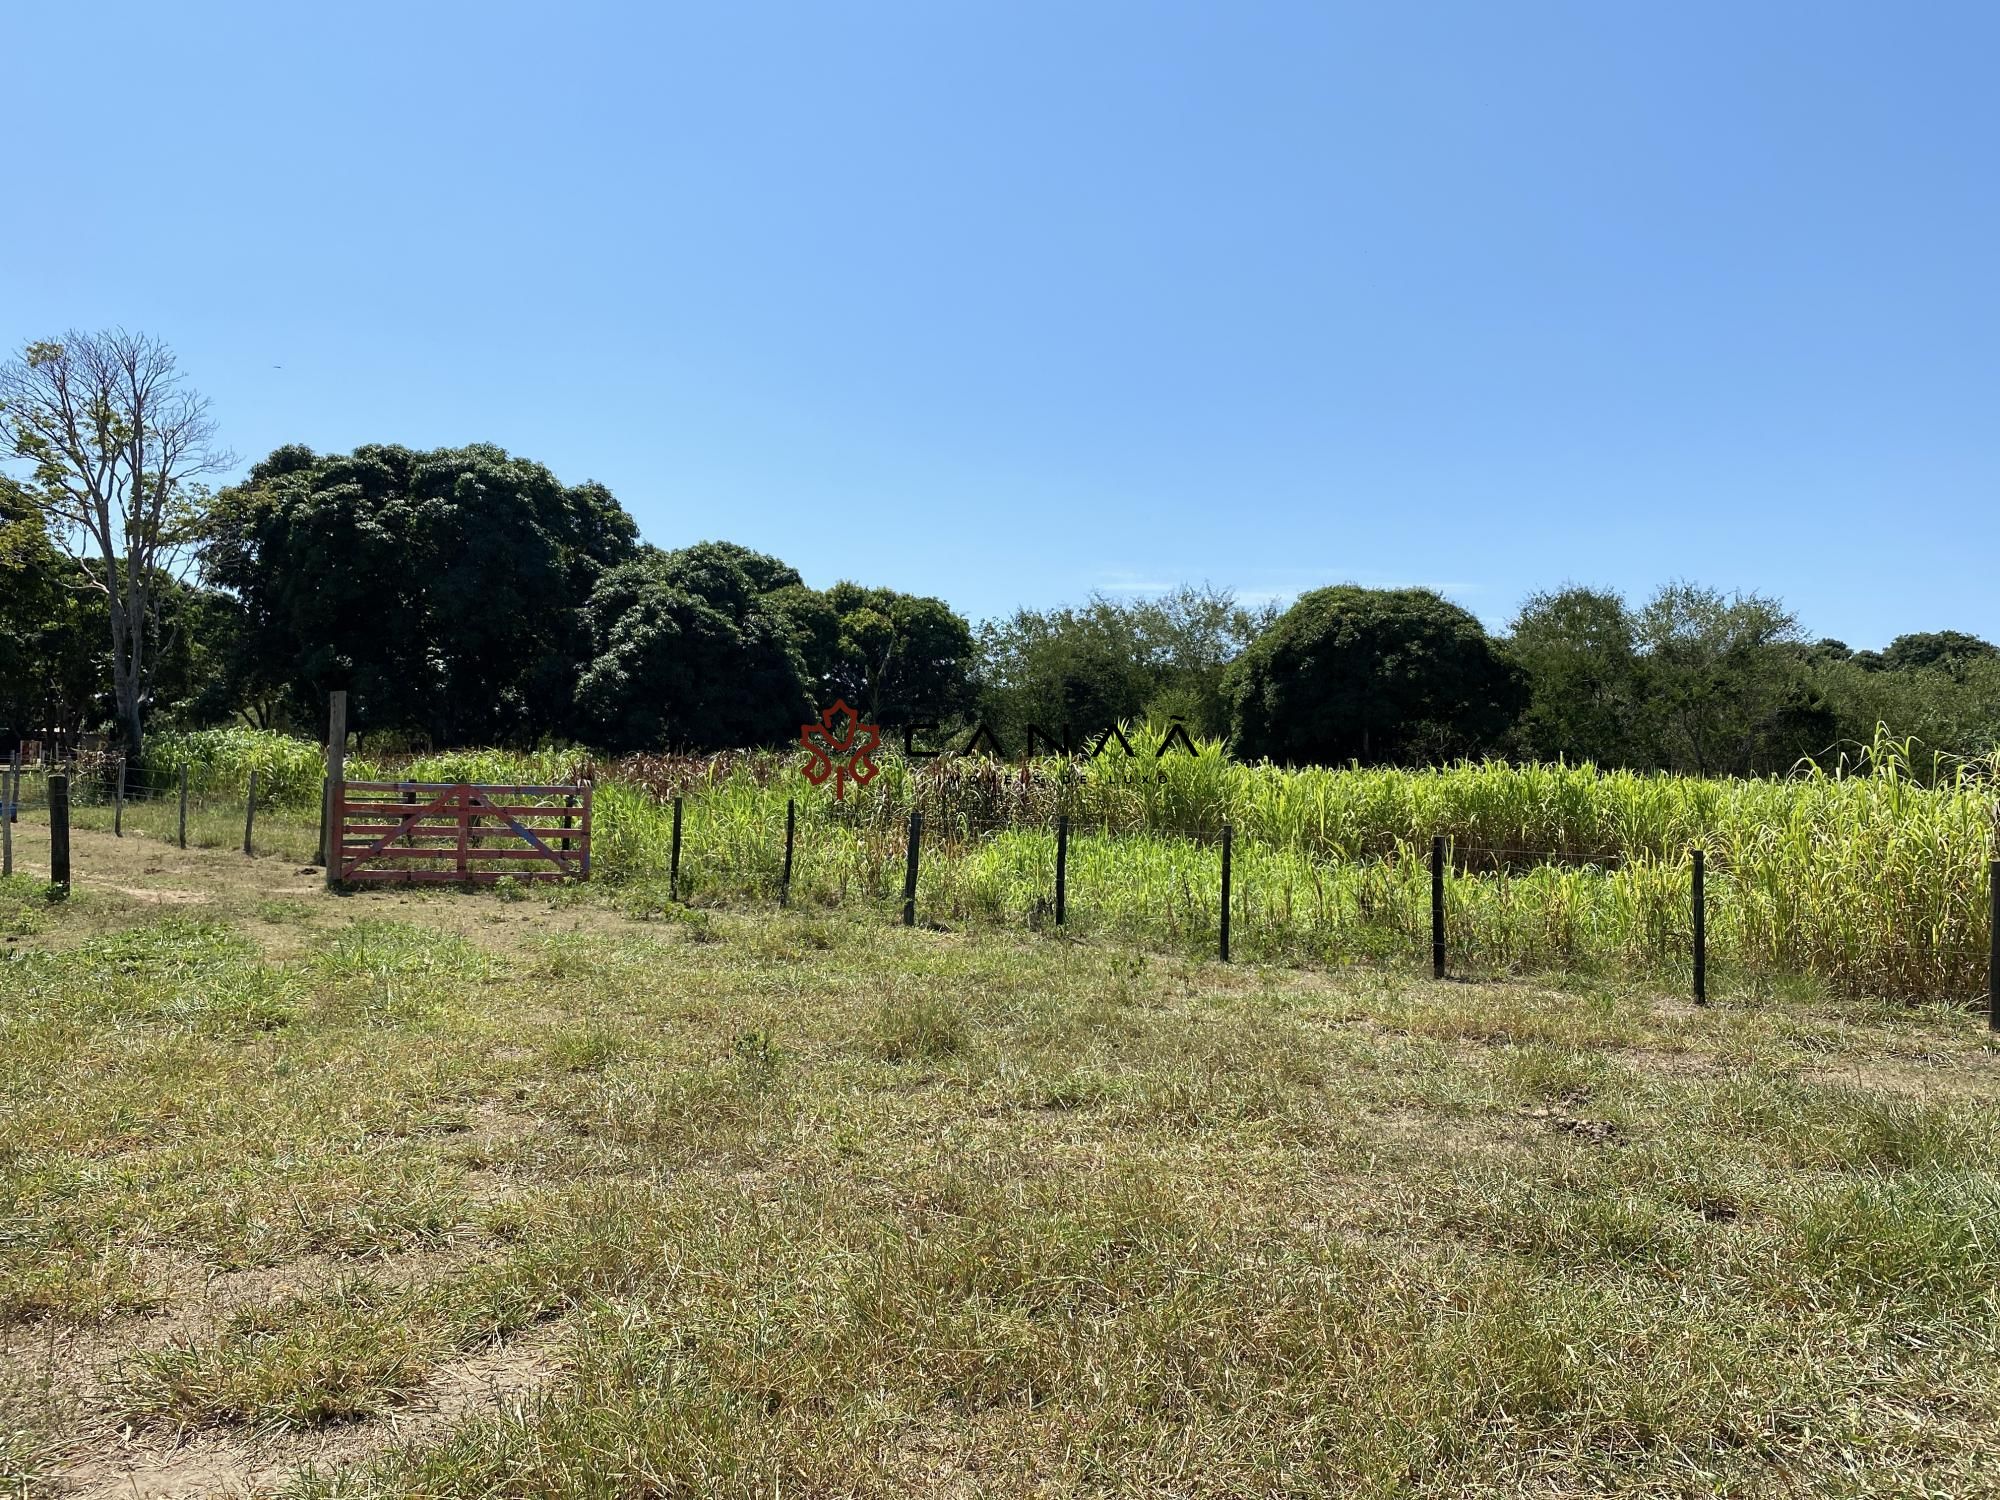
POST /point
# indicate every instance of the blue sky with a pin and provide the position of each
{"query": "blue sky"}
(1009, 302)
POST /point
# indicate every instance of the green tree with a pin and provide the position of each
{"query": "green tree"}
(687, 655)
(1394, 675)
(1189, 638)
(763, 573)
(115, 446)
(1728, 687)
(1946, 650)
(198, 672)
(1155, 658)
(1083, 668)
(813, 624)
(897, 658)
(53, 638)
(1951, 711)
(1579, 648)
(443, 589)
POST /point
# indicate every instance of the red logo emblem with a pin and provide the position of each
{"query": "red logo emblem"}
(840, 746)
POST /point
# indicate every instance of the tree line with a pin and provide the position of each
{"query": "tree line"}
(466, 595)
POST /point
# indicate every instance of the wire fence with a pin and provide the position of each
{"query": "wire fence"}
(1456, 906)
(162, 806)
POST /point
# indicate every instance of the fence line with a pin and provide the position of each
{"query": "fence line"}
(1288, 903)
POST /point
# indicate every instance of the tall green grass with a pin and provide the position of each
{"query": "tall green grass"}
(219, 762)
(1857, 875)
(290, 771)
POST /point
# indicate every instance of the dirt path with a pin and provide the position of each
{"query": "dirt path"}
(280, 902)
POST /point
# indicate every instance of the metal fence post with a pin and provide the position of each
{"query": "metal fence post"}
(1700, 928)
(910, 868)
(1437, 907)
(1227, 839)
(59, 832)
(1062, 869)
(250, 811)
(9, 790)
(184, 807)
(674, 861)
(785, 880)
(118, 808)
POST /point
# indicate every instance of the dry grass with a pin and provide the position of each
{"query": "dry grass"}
(457, 1195)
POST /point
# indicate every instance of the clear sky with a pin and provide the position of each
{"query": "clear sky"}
(1012, 301)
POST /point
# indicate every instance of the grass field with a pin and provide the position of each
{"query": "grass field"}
(462, 1195)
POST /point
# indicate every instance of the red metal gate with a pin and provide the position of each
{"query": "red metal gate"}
(407, 831)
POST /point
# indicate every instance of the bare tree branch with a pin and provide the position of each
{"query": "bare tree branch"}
(115, 445)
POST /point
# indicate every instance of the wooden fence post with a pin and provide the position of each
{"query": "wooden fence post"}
(1227, 839)
(118, 808)
(250, 812)
(910, 868)
(336, 784)
(1700, 895)
(1993, 954)
(1062, 869)
(184, 807)
(1437, 907)
(59, 832)
(785, 880)
(674, 860)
